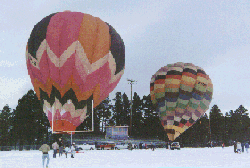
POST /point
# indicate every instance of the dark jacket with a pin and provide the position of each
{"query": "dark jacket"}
(242, 145)
(235, 146)
(140, 145)
(246, 145)
(60, 143)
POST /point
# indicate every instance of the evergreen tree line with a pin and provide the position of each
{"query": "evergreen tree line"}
(233, 126)
(28, 124)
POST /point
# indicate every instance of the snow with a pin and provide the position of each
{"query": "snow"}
(186, 157)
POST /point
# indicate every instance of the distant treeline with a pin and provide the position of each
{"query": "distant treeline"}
(233, 126)
(28, 124)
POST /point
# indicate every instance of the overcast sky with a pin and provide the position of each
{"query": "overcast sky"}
(214, 35)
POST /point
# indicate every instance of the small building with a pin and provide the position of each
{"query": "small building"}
(117, 132)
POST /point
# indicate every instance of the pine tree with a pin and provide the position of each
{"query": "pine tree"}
(240, 123)
(137, 119)
(227, 129)
(105, 112)
(126, 110)
(5, 125)
(216, 124)
(30, 122)
(204, 129)
(149, 117)
(118, 109)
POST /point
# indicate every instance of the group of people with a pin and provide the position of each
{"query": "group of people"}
(56, 146)
(239, 147)
(142, 146)
(63, 149)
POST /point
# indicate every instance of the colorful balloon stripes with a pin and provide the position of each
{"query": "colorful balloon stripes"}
(182, 93)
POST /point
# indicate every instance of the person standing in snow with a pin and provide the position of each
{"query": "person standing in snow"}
(235, 146)
(130, 146)
(223, 145)
(66, 150)
(60, 147)
(242, 146)
(73, 150)
(55, 147)
(45, 149)
(239, 147)
(140, 145)
(247, 146)
(152, 146)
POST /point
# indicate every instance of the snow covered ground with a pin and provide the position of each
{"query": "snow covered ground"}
(186, 157)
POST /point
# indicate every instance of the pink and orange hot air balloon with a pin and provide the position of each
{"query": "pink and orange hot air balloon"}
(72, 59)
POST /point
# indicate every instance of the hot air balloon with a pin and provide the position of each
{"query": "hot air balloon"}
(73, 58)
(181, 93)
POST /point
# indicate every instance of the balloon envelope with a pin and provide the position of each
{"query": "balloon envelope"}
(182, 93)
(72, 59)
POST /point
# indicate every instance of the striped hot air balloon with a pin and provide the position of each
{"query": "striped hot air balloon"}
(182, 93)
(72, 59)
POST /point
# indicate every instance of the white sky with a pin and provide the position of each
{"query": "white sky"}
(210, 34)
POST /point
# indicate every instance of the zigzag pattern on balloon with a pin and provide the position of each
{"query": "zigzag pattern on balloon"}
(47, 62)
(65, 112)
(75, 57)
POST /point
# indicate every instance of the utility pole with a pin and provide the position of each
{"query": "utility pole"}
(131, 83)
